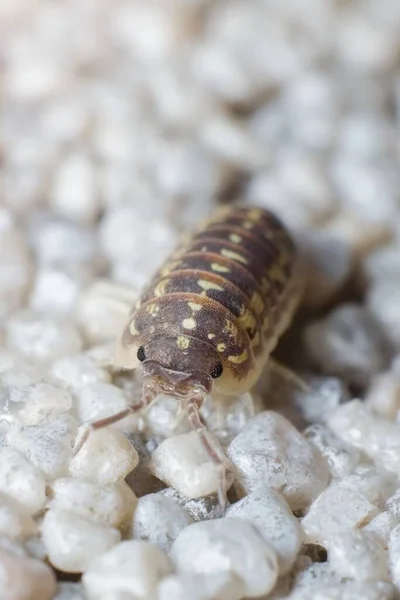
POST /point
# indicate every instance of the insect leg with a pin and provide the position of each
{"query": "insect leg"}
(149, 394)
(193, 407)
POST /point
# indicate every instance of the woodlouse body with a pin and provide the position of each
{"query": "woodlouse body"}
(213, 313)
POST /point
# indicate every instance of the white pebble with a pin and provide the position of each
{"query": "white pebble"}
(21, 480)
(69, 591)
(73, 542)
(165, 417)
(271, 516)
(342, 458)
(394, 555)
(200, 587)
(42, 338)
(383, 395)
(73, 372)
(349, 590)
(346, 343)
(357, 555)
(106, 457)
(271, 451)
(112, 505)
(159, 520)
(73, 194)
(47, 445)
(103, 310)
(15, 266)
(200, 509)
(42, 401)
(381, 527)
(376, 437)
(376, 484)
(55, 291)
(336, 510)
(99, 400)
(131, 569)
(183, 463)
(227, 546)
(15, 521)
(23, 578)
(383, 300)
(59, 243)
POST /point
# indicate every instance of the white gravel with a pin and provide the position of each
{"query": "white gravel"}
(123, 124)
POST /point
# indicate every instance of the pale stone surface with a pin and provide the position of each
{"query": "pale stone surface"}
(69, 591)
(183, 463)
(111, 505)
(383, 303)
(336, 511)
(73, 372)
(394, 555)
(351, 590)
(15, 521)
(227, 546)
(42, 401)
(131, 568)
(41, 338)
(381, 527)
(159, 520)
(21, 480)
(271, 516)
(357, 555)
(200, 509)
(383, 396)
(47, 445)
(98, 400)
(200, 587)
(74, 194)
(270, 450)
(73, 542)
(376, 484)
(106, 457)
(23, 578)
(103, 310)
(347, 343)
(342, 458)
(378, 438)
(56, 291)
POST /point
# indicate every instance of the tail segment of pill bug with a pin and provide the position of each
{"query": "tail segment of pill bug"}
(210, 317)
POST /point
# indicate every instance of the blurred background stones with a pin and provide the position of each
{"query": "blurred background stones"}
(123, 123)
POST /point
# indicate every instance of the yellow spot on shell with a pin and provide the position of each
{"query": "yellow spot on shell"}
(238, 360)
(194, 306)
(233, 256)
(247, 318)
(189, 323)
(211, 336)
(209, 285)
(257, 303)
(255, 213)
(160, 288)
(219, 268)
(275, 273)
(221, 347)
(182, 341)
(231, 329)
(247, 225)
(256, 340)
(235, 238)
(152, 309)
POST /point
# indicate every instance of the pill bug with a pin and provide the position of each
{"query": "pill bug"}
(211, 315)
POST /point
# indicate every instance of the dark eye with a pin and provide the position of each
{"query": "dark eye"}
(217, 371)
(141, 354)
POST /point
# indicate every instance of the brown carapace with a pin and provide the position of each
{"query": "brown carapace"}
(210, 317)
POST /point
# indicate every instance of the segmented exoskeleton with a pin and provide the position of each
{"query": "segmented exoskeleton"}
(210, 317)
